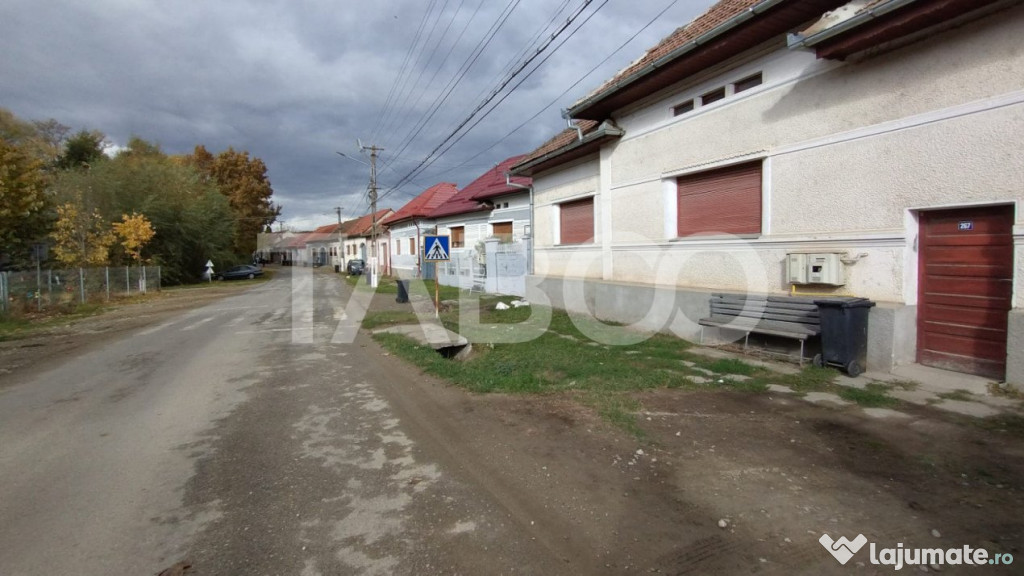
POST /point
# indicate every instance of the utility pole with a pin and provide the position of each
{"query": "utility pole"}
(373, 212)
(338, 255)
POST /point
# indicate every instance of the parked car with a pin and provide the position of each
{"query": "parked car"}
(356, 267)
(239, 272)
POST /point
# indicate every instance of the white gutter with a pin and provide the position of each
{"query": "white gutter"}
(685, 48)
(796, 41)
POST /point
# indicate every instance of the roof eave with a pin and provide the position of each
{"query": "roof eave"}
(603, 133)
(797, 41)
(578, 110)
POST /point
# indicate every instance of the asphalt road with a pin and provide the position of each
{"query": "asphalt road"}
(239, 436)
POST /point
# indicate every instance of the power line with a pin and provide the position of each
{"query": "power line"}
(425, 162)
(443, 96)
(566, 91)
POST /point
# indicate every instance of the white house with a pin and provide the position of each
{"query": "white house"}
(407, 226)
(358, 234)
(494, 205)
(773, 146)
(323, 245)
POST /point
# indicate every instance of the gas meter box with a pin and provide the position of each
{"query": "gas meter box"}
(825, 269)
(796, 268)
(815, 269)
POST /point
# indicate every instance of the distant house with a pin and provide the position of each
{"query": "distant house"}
(407, 226)
(861, 147)
(323, 245)
(358, 234)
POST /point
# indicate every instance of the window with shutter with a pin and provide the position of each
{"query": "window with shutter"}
(458, 236)
(503, 231)
(576, 221)
(722, 201)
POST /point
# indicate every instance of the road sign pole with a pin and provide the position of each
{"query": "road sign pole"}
(437, 293)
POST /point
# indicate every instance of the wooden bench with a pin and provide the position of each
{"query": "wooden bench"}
(787, 316)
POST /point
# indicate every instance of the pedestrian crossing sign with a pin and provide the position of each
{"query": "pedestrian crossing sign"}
(436, 248)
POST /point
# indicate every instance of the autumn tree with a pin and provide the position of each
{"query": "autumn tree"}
(243, 180)
(81, 237)
(24, 205)
(193, 220)
(135, 232)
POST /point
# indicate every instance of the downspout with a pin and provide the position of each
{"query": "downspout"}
(568, 121)
(511, 184)
(419, 259)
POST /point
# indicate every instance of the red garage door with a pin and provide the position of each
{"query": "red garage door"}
(966, 281)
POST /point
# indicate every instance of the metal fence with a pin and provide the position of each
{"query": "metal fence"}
(31, 290)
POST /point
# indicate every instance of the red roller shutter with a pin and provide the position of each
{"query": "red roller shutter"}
(727, 201)
(577, 221)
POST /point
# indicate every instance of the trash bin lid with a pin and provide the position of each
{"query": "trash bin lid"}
(845, 302)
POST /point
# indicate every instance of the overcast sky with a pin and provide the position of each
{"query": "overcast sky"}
(293, 82)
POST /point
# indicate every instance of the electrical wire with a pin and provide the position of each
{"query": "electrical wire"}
(425, 163)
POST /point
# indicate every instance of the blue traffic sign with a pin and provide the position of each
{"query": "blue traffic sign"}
(436, 248)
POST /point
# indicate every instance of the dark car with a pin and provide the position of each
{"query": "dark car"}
(239, 272)
(356, 267)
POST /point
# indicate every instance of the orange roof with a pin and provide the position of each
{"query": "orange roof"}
(422, 205)
(706, 22)
(363, 225)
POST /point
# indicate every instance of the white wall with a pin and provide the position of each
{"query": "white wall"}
(849, 150)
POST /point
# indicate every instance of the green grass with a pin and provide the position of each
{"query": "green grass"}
(960, 394)
(563, 358)
(16, 327)
(381, 318)
(872, 396)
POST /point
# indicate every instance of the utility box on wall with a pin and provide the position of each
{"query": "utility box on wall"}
(825, 268)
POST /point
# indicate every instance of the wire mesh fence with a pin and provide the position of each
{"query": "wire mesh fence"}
(37, 290)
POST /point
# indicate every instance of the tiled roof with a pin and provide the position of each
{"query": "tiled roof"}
(715, 16)
(490, 184)
(422, 205)
(562, 139)
(363, 225)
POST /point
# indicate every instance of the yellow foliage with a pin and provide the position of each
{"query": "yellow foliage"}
(135, 232)
(80, 238)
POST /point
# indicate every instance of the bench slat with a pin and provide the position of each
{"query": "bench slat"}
(746, 324)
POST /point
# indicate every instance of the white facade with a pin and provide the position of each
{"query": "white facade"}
(405, 241)
(851, 153)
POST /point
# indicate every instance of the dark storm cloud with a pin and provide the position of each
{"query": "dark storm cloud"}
(293, 82)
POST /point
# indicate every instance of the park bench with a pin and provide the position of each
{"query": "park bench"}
(786, 316)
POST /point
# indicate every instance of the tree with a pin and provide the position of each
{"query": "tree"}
(84, 149)
(81, 238)
(24, 205)
(243, 180)
(192, 219)
(135, 232)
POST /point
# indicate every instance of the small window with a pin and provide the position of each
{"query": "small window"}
(503, 231)
(713, 96)
(747, 83)
(680, 109)
(412, 246)
(458, 236)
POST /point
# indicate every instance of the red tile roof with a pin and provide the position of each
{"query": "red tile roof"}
(715, 16)
(363, 226)
(422, 205)
(490, 184)
(561, 140)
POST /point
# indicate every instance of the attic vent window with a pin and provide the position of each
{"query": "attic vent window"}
(747, 83)
(683, 108)
(713, 96)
